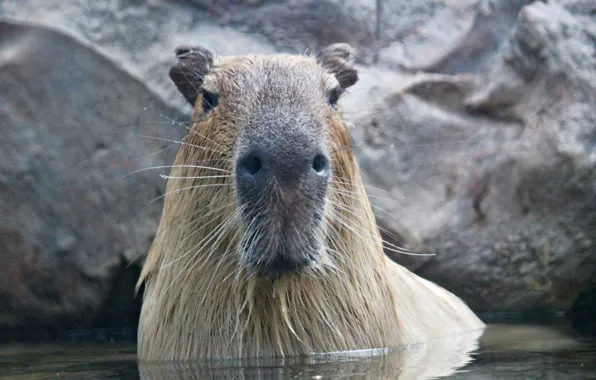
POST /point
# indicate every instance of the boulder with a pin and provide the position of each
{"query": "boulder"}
(494, 172)
(461, 37)
(71, 220)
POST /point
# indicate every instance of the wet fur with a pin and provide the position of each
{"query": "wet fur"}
(201, 301)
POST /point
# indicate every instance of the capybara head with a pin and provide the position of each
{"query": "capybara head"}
(270, 118)
(267, 244)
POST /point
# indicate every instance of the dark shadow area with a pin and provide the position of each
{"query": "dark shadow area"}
(117, 320)
(583, 312)
(122, 306)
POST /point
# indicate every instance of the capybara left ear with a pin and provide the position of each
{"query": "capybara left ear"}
(194, 62)
(339, 59)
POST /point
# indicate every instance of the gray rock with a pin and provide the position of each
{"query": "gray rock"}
(461, 37)
(139, 37)
(495, 172)
(301, 25)
(72, 124)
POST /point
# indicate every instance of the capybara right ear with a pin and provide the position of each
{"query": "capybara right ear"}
(194, 62)
(339, 59)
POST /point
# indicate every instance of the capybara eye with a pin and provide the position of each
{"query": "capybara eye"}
(209, 100)
(333, 96)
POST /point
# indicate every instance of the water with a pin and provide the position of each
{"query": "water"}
(501, 352)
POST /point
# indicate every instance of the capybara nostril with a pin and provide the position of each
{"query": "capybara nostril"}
(250, 164)
(265, 163)
(319, 164)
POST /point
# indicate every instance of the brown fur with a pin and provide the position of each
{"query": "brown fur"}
(201, 302)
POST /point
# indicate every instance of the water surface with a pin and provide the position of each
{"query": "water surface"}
(501, 352)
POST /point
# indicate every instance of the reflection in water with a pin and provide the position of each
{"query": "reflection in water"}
(512, 351)
(436, 358)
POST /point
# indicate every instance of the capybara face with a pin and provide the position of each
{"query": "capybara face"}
(268, 121)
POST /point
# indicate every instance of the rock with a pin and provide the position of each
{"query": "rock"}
(299, 25)
(138, 37)
(495, 171)
(72, 124)
(461, 37)
(397, 19)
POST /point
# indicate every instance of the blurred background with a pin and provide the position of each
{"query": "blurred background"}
(474, 122)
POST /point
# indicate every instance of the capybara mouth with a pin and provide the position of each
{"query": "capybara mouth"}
(280, 263)
(276, 245)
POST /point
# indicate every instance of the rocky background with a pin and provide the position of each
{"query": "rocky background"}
(474, 122)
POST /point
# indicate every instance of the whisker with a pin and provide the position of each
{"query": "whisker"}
(151, 154)
(194, 132)
(222, 233)
(177, 191)
(376, 208)
(392, 247)
(184, 143)
(331, 265)
(213, 233)
(339, 219)
(195, 177)
(406, 252)
(346, 192)
(354, 215)
(393, 236)
(222, 258)
(176, 166)
(248, 234)
(197, 218)
(195, 231)
(365, 186)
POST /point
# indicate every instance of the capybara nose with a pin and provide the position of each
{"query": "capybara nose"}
(294, 167)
